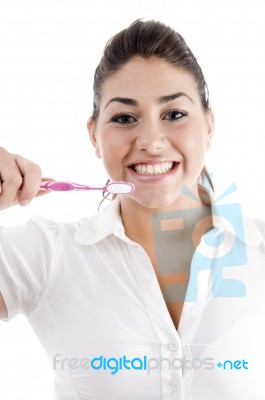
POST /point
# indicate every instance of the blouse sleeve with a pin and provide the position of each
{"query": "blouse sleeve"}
(27, 257)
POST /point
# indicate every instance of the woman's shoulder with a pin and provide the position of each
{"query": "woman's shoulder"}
(30, 233)
(37, 225)
(90, 225)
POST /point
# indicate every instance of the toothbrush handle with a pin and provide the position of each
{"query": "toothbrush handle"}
(63, 186)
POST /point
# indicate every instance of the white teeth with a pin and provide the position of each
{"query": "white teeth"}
(150, 169)
(157, 169)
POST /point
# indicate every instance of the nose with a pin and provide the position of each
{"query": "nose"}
(151, 138)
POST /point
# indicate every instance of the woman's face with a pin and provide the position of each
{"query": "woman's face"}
(151, 131)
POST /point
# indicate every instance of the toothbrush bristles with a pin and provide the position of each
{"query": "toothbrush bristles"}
(120, 188)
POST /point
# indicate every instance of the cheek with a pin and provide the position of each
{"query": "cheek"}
(113, 139)
(113, 148)
(114, 151)
(190, 140)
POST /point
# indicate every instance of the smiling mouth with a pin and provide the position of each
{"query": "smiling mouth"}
(154, 169)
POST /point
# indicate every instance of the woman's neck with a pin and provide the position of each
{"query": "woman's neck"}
(169, 237)
(183, 215)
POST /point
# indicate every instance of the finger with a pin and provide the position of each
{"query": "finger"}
(8, 193)
(46, 179)
(31, 181)
(43, 191)
(10, 179)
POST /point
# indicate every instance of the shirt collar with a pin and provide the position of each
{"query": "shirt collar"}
(108, 222)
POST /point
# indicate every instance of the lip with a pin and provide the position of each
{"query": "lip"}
(154, 178)
(151, 161)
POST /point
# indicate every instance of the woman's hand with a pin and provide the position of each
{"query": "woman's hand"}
(20, 180)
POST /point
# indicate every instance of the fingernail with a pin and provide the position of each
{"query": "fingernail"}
(24, 202)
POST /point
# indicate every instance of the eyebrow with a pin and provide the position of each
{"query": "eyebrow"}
(161, 100)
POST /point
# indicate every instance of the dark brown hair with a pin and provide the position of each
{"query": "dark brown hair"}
(148, 39)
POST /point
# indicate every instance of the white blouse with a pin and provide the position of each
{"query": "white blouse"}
(93, 299)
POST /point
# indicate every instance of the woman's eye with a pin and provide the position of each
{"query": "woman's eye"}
(174, 115)
(123, 119)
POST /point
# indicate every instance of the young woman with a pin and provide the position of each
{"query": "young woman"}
(159, 295)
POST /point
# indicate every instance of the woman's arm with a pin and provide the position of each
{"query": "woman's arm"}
(20, 181)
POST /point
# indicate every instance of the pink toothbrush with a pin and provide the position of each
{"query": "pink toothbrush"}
(112, 187)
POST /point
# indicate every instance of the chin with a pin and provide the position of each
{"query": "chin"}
(161, 202)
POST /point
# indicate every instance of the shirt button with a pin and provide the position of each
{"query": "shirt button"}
(175, 386)
(173, 346)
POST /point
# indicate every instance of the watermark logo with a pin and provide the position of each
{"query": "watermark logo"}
(221, 246)
(145, 363)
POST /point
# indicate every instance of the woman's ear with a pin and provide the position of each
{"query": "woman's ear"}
(91, 126)
(211, 124)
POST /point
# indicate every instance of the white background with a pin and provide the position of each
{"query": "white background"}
(48, 53)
